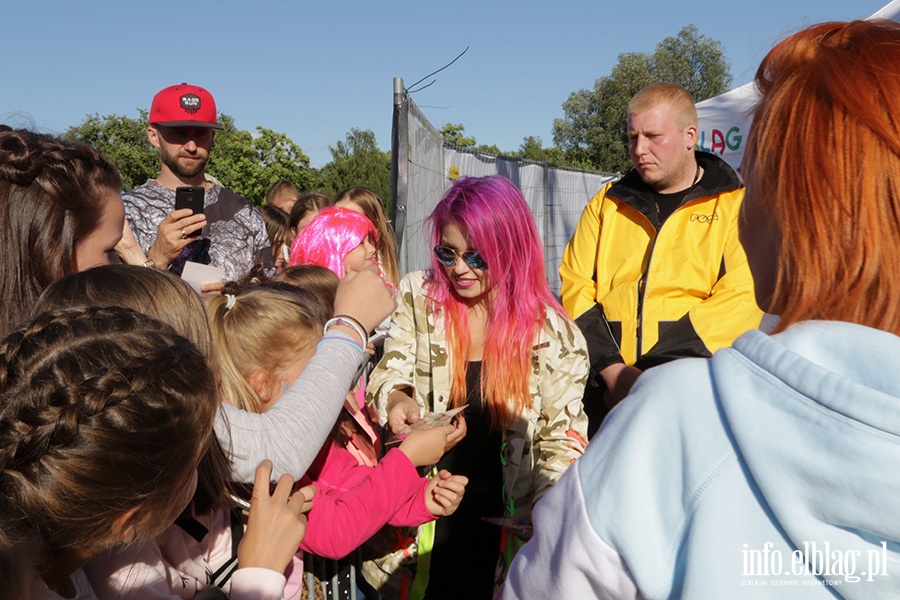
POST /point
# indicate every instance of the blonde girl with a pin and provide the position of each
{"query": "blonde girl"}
(264, 339)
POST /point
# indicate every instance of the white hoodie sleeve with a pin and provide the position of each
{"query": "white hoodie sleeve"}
(566, 558)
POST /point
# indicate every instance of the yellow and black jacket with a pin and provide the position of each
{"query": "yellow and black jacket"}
(645, 294)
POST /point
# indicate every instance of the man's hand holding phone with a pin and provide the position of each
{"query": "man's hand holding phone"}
(179, 228)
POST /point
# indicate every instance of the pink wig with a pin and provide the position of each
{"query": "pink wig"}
(329, 237)
(493, 215)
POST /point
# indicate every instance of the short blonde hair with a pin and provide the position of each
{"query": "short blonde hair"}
(671, 94)
(281, 190)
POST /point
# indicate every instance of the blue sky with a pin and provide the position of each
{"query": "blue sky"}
(316, 70)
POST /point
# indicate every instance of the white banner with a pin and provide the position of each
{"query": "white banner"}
(725, 119)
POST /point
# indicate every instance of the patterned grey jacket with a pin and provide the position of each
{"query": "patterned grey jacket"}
(537, 449)
(234, 238)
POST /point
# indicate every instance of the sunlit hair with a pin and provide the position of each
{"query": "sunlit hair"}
(280, 190)
(670, 94)
(330, 236)
(320, 280)
(493, 216)
(308, 203)
(51, 198)
(154, 292)
(373, 208)
(265, 329)
(102, 411)
(170, 299)
(823, 158)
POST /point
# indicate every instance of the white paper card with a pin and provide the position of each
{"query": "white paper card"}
(197, 275)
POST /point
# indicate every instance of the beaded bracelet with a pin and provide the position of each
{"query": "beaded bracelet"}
(350, 322)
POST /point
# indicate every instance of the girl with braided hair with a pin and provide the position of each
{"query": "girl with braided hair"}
(104, 416)
(180, 564)
(79, 391)
(60, 212)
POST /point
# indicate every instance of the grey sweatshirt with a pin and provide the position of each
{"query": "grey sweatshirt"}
(291, 432)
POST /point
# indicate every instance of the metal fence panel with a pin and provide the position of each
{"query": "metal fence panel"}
(555, 195)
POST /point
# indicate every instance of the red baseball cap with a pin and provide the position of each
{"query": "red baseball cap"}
(184, 105)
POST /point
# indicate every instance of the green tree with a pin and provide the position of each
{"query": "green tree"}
(593, 131)
(532, 148)
(357, 161)
(249, 165)
(232, 160)
(123, 141)
(454, 133)
(490, 149)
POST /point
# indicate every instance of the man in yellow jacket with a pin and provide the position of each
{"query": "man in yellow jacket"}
(655, 271)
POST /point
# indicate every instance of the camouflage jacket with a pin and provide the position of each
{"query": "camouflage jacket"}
(536, 450)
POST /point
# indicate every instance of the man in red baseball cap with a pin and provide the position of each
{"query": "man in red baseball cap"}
(184, 106)
(232, 234)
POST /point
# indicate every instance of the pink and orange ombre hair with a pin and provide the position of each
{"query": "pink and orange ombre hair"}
(493, 215)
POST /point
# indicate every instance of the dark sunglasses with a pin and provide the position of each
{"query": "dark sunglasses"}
(447, 257)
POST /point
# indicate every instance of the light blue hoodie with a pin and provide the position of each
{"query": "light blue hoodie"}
(770, 470)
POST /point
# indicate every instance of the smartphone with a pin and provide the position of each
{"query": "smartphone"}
(191, 197)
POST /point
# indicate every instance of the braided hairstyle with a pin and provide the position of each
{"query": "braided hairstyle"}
(51, 194)
(103, 411)
(164, 296)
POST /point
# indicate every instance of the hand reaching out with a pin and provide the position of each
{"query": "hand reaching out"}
(402, 411)
(277, 521)
(424, 445)
(444, 493)
(128, 248)
(459, 421)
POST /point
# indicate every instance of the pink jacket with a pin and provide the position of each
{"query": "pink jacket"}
(353, 501)
(178, 566)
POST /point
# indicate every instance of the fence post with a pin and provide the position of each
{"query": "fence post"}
(400, 169)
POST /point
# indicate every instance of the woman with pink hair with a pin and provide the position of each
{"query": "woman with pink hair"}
(481, 330)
